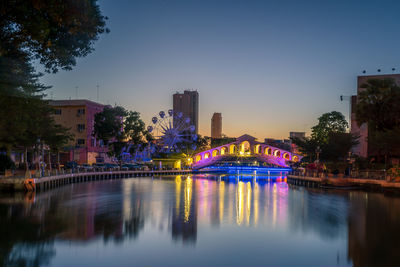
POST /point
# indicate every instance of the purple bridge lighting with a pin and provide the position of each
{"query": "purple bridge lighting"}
(245, 146)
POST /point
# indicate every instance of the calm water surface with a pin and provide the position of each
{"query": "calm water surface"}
(194, 221)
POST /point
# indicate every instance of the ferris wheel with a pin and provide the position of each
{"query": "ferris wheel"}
(173, 132)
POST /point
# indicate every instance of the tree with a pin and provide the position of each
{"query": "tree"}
(385, 143)
(56, 137)
(119, 129)
(108, 126)
(329, 136)
(135, 132)
(338, 146)
(201, 143)
(53, 32)
(332, 122)
(307, 146)
(379, 104)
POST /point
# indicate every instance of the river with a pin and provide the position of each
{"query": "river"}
(201, 220)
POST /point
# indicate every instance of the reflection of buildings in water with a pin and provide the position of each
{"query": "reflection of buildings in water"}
(373, 230)
(184, 216)
(91, 218)
(322, 213)
(132, 207)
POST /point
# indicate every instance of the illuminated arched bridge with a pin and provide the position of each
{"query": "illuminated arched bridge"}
(245, 148)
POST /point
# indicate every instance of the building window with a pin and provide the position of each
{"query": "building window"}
(81, 111)
(81, 141)
(81, 127)
(57, 111)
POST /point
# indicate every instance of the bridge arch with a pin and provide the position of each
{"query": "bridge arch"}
(295, 158)
(223, 150)
(197, 158)
(244, 147)
(268, 151)
(286, 156)
(215, 153)
(277, 153)
(232, 149)
(207, 155)
(257, 149)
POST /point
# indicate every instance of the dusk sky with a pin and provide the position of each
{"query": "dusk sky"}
(269, 67)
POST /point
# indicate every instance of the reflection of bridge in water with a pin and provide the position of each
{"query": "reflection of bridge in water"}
(245, 153)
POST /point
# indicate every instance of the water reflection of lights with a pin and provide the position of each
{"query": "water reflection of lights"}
(221, 196)
(255, 201)
(178, 181)
(248, 211)
(245, 201)
(274, 205)
(188, 198)
(239, 203)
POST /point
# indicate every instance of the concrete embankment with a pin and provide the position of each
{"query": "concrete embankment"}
(344, 183)
(44, 183)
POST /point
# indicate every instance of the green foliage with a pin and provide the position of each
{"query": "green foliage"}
(332, 122)
(27, 121)
(119, 128)
(53, 32)
(6, 163)
(201, 143)
(307, 147)
(394, 171)
(379, 104)
(338, 146)
(108, 124)
(329, 137)
(385, 142)
(56, 137)
(135, 132)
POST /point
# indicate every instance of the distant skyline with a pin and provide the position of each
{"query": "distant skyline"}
(270, 67)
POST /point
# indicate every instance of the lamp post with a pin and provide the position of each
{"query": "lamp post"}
(317, 151)
(349, 159)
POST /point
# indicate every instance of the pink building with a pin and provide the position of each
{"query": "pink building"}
(78, 115)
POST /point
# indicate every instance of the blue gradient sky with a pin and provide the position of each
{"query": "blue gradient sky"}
(269, 67)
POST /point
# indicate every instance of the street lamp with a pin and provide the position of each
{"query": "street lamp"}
(317, 151)
(350, 160)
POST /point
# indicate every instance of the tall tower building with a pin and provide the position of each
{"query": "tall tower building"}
(188, 104)
(216, 125)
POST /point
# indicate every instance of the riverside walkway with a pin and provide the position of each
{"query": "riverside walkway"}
(344, 183)
(48, 182)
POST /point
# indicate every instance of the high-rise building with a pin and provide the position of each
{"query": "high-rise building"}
(216, 126)
(188, 104)
(362, 148)
(78, 115)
